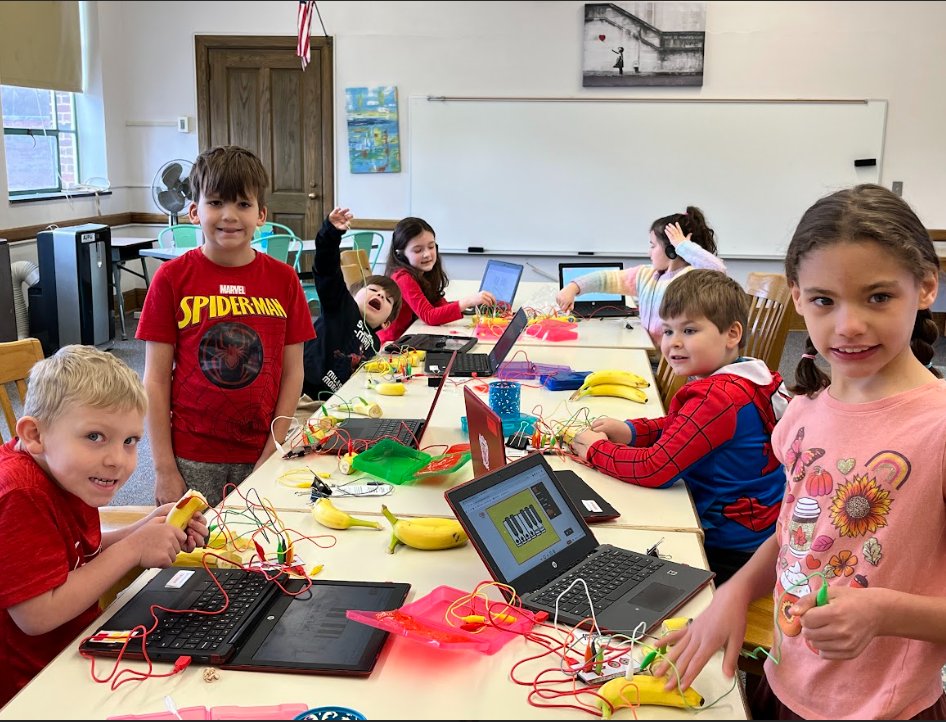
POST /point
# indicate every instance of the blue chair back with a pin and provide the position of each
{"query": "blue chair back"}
(181, 235)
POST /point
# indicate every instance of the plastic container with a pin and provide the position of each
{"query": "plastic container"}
(511, 425)
(398, 464)
(334, 713)
(424, 621)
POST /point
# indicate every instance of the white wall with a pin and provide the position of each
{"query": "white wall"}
(892, 51)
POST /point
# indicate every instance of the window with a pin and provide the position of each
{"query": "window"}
(39, 135)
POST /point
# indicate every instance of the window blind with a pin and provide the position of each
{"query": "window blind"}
(41, 45)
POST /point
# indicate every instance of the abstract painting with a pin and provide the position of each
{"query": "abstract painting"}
(644, 43)
(374, 145)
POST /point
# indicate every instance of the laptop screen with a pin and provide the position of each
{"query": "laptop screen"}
(508, 339)
(521, 519)
(501, 279)
(568, 272)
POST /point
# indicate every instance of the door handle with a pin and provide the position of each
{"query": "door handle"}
(313, 196)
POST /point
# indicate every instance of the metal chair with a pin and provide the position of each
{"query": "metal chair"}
(271, 227)
(16, 360)
(770, 316)
(279, 246)
(181, 235)
(370, 242)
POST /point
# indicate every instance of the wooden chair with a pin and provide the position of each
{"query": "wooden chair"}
(759, 633)
(112, 518)
(16, 360)
(668, 383)
(769, 317)
(355, 266)
(370, 242)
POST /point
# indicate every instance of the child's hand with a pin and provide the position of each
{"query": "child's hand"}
(675, 234)
(565, 298)
(722, 624)
(341, 218)
(197, 528)
(156, 543)
(842, 628)
(483, 298)
(583, 441)
(616, 430)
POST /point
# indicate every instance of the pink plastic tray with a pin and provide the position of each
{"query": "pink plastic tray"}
(424, 621)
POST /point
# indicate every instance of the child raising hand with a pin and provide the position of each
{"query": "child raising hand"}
(864, 453)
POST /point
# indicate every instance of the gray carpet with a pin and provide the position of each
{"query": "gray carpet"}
(139, 489)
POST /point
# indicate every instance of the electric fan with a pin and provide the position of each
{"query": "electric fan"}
(171, 189)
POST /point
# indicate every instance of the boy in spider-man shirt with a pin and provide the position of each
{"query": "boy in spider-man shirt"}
(224, 327)
(716, 435)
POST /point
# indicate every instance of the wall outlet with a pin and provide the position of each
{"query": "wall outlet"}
(898, 187)
(183, 124)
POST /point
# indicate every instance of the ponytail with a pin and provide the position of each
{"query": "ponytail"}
(808, 377)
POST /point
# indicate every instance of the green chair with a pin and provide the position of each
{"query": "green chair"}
(181, 235)
(370, 242)
(279, 246)
(269, 228)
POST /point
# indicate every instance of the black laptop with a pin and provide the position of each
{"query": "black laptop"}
(481, 364)
(531, 537)
(501, 279)
(488, 452)
(260, 629)
(358, 433)
(432, 342)
(595, 305)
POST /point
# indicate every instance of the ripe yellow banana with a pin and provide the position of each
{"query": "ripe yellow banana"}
(389, 388)
(196, 558)
(371, 410)
(377, 366)
(327, 514)
(621, 692)
(630, 393)
(425, 533)
(191, 503)
(615, 376)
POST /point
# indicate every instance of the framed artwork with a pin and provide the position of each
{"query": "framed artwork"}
(374, 144)
(644, 43)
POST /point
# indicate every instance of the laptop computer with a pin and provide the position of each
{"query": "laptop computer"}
(531, 537)
(481, 364)
(488, 452)
(432, 342)
(500, 278)
(597, 305)
(260, 629)
(359, 433)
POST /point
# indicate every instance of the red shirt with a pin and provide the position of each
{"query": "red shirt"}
(229, 327)
(415, 305)
(47, 532)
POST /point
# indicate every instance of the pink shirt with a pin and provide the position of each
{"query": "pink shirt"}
(864, 503)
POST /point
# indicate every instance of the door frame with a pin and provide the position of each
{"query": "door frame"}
(203, 44)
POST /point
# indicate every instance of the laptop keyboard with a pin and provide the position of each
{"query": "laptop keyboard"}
(201, 634)
(472, 362)
(395, 429)
(609, 575)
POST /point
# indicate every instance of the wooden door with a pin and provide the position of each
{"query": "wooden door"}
(252, 92)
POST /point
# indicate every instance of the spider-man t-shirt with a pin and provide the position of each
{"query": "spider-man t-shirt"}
(229, 327)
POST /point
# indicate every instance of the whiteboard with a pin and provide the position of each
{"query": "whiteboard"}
(559, 176)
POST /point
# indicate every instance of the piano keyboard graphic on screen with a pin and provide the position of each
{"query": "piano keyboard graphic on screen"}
(524, 526)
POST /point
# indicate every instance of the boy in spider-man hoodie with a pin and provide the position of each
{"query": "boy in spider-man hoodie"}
(716, 435)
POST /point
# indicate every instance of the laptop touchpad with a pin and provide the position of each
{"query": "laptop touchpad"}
(656, 596)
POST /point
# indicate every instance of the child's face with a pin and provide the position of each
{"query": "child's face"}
(658, 258)
(695, 347)
(227, 226)
(859, 304)
(421, 251)
(89, 452)
(375, 305)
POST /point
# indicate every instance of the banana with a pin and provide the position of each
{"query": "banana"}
(196, 559)
(371, 410)
(621, 692)
(630, 393)
(389, 388)
(426, 533)
(377, 366)
(615, 376)
(327, 514)
(191, 503)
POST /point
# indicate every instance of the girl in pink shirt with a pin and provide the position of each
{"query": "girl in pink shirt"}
(415, 265)
(857, 558)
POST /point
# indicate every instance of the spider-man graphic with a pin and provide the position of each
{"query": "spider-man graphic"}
(231, 355)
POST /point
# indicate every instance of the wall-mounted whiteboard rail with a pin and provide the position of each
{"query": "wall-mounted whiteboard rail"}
(585, 174)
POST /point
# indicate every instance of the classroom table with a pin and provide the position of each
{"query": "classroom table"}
(125, 249)
(410, 680)
(540, 295)
(670, 508)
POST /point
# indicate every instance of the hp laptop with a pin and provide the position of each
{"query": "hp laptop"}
(502, 280)
(597, 305)
(259, 629)
(488, 452)
(359, 433)
(481, 364)
(530, 536)
(432, 342)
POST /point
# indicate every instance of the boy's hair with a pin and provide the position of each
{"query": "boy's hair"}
(702, 293)
(387, 285)
(693, 222)
(866, 212)
(82, 376)
(434, 281)
(229, 172)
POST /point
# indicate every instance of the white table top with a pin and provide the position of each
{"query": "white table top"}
(410, 681)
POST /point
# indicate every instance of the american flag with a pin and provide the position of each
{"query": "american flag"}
(303, 21)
